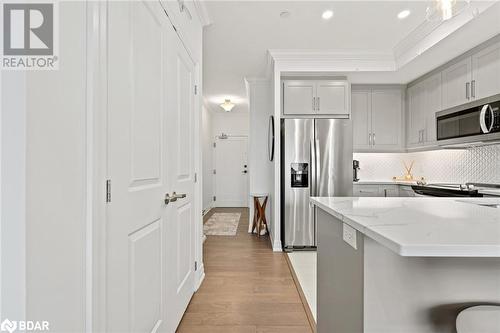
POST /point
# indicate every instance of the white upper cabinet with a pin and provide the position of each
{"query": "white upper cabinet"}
(299, 97)
(309, 97)
(486, 72)
(415, 117)
(472, 78)
(387, 107)
(332, 97)
(361, 118)
(432, 104)
(424, 100)
(377, 119)
(456, 79)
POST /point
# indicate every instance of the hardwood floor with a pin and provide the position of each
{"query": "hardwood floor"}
(248, 287)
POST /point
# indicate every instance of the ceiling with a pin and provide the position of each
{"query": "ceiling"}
(235, 44)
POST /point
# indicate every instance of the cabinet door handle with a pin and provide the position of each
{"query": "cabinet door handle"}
(467, 90)
(473, 88)
(369, 139)
(374, 139)
(318, 101)
(314, 103)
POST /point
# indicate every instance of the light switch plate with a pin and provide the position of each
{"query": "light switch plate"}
(349, 235)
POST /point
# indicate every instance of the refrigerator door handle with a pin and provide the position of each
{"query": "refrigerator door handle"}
(317, 170)
(312, 158)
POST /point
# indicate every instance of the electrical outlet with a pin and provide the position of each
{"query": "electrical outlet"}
(349, 235)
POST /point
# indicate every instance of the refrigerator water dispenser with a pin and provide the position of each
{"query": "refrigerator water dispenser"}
(300, 174)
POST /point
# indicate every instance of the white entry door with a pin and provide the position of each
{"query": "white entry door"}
(231, 172)
(149, 244)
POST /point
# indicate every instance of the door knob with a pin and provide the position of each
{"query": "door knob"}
(172, 198)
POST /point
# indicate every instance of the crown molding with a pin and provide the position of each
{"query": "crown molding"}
(333, 60)
(426, 37)
(202, 12)
(430, 33)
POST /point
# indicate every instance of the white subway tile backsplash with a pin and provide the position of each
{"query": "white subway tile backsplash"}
(481, 165)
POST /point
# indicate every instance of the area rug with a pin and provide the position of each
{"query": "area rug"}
(222, 224)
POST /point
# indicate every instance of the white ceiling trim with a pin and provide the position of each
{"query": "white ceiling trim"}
(422, 39)
(202, 12)
(430, 33)
(338, 60)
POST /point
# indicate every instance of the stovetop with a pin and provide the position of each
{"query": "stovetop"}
(453, 190)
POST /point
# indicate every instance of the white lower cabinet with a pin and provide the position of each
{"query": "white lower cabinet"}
(387, 190)
(377, 118)
(382, 190)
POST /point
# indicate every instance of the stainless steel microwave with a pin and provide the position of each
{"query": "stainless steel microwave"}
(478, 121)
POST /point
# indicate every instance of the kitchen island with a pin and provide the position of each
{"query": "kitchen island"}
(405, 264)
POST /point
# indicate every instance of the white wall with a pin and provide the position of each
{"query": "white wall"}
(261, 170)
(230, 123)
(207, 162)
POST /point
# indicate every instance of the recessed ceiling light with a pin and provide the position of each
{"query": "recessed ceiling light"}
(285, 14)
(403, 14)
(327, 14)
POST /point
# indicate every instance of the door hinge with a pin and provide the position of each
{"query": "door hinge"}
(196, 90)
(215, 172)
(195, 265)
(195, 177)
(108, 190)
(215, 198)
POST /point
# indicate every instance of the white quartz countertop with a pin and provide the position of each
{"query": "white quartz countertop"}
(423, 226)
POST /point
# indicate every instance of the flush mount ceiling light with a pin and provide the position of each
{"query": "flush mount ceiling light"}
(227, 105)
(327, 14)
(403, 14)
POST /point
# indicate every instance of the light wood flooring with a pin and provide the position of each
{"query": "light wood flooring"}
(247, 288)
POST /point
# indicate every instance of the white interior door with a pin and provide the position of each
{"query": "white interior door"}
(135, 247)
(181, 213)
(149, 244)
(231, 178)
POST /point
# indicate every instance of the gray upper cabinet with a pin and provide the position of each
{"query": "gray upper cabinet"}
(424, 100)
(299, 97)
(316, 97)
(361, 111)
(456, 83)
(486, 72)
(472, 78)
(377, 118)
(332, 97)
(415, 119)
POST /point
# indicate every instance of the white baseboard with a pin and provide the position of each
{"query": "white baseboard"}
(208, 209)
(277, 246)
(200, 276)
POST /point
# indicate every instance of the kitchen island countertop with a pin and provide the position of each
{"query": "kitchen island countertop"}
(423, 227)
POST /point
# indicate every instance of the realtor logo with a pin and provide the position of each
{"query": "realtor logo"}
(29, 36)
(8, 326)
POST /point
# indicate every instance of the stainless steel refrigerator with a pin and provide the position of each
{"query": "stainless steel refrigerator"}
(316, 161)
